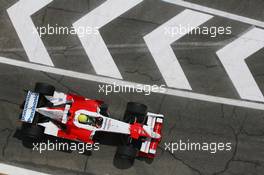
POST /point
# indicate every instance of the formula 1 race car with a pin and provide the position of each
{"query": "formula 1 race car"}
(76, 118)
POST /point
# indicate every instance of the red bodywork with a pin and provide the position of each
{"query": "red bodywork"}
(73, 132)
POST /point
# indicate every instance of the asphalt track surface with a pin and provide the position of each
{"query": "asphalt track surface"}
(185, 119)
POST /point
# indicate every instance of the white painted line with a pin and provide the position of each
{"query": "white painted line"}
(94, 44)
(107, 80)
(124, 48)
(159, 43)
(13, 170)
(216, 12)
(20, 14)
(233, 58)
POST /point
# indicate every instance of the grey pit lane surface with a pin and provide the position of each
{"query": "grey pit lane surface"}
(184, 119)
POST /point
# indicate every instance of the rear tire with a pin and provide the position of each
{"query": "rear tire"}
(135, 112)
(44, 89)
(33, 132)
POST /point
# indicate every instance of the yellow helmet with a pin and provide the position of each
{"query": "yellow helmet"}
(83, 118)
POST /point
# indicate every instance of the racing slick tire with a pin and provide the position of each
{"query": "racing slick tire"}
(44, 89)
(126, 155)
(135, 111)
(33, 132)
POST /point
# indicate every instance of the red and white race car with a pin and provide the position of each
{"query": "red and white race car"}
(72, 117)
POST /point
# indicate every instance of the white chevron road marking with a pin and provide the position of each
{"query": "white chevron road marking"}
(94, 44)
(13, 170)
(234, 54)
(159, 43)
(107, 80)
(216, 12)
(20, 15)
(233, 58)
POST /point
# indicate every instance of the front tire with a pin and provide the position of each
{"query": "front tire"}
(135, 112)
(126, 155)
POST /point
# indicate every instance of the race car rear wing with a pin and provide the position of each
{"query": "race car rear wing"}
(30, 107)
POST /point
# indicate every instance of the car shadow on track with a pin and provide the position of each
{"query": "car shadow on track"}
(103, 138)
(53, 142)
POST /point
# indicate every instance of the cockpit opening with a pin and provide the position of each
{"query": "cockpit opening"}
(89, 120)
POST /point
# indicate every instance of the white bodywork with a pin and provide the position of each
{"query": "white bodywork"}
(108, 125)
(58, 98)
(152, 119)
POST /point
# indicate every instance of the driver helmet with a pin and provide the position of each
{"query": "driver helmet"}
(83, 118)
